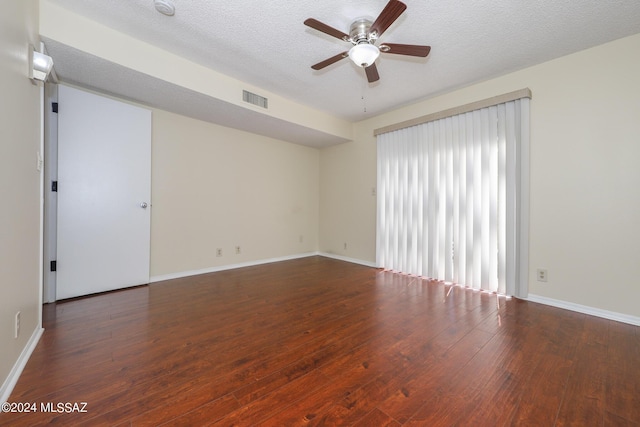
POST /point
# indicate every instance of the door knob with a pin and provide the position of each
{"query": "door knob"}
(144, 205)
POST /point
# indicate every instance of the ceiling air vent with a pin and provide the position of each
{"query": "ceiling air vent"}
(254, 99)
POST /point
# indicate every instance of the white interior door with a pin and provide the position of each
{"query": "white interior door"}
(104, 190)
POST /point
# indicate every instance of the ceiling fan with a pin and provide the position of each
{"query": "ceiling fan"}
(363, 35)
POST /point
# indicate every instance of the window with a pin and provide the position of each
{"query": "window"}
(452, 198)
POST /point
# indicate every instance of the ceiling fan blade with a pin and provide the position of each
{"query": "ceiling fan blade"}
(324, 28)
(405, 49)
(327, 62)
(389, 14)
(372, 73)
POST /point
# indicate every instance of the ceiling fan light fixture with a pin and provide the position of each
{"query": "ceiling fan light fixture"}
(364, 54)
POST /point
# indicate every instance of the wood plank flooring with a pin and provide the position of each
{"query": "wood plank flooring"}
(317, 341)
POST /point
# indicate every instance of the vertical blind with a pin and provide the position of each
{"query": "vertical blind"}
(449, 198)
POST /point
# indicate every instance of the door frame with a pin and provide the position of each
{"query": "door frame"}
(50, 198)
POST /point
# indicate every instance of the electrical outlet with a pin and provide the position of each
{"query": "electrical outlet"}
(219, 252)
(237, 250)
(541, 275)
(345, 246)
(301, 238)
(16, 332)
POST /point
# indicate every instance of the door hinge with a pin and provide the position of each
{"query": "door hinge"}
(54, 265)
(54, 107)
(54, 186)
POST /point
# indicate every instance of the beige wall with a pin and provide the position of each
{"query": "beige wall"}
(19, 181)
(585, 202)
(88, 36)
(216, 187)
(347, 198)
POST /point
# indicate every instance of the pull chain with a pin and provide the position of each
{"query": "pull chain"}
(364, 100)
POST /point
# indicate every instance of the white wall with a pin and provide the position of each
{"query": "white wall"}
(19, 182)
(585, 149)
(216, 187)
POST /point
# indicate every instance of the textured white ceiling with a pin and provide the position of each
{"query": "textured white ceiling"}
(266, 44)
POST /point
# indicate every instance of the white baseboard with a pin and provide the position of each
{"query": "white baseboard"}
(181, 274)
(11, 380)
(611, 315)
(347, 259)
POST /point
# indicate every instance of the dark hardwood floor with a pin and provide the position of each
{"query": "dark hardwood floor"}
(317, 341)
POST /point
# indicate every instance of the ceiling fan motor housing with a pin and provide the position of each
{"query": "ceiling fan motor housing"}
(359, 32)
